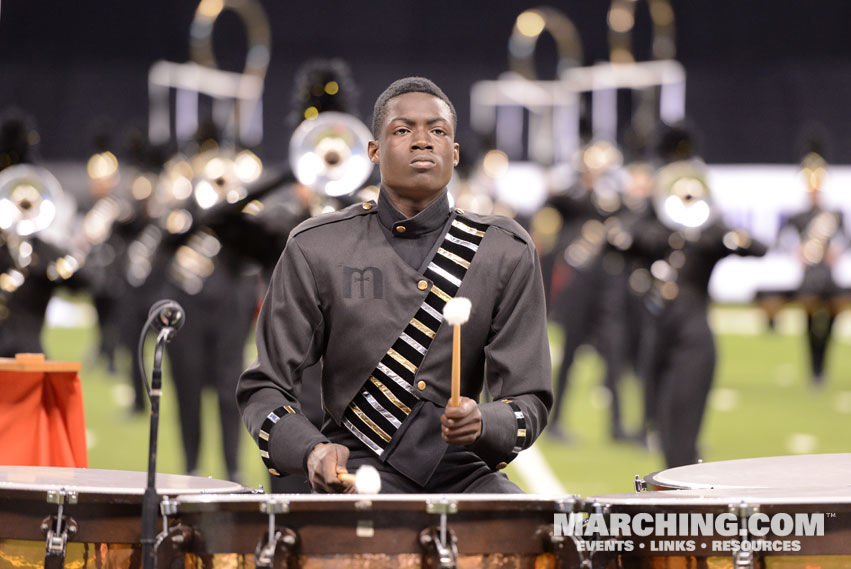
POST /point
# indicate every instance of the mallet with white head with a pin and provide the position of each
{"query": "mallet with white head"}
(366, 481)
(456, 312)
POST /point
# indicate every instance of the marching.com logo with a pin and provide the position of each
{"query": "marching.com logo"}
(614, 531)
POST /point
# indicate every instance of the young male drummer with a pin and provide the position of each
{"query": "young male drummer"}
(363, 290)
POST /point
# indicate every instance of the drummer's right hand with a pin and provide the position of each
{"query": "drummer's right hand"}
(324, 462)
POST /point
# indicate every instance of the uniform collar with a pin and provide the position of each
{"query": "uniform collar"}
(430, 219)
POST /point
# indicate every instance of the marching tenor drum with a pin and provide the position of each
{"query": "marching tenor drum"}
(81, 518)
(374, 531)
(790, 472)
(762, 528)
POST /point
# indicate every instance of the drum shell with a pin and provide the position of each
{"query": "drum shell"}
(363, 531)
(108, 504)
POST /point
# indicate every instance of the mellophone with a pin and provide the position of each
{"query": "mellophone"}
(91, 518)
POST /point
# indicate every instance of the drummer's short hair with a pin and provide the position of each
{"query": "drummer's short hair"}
(407, 85)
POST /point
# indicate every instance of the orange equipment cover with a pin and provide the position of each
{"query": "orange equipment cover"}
(41, 413)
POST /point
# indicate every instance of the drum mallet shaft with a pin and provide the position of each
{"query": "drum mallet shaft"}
(456, 312)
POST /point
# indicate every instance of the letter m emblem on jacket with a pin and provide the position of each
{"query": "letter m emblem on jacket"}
(356, 279)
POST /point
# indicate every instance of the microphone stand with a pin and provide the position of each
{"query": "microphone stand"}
(150, 500)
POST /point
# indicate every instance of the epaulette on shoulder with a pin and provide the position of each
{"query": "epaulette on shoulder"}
(502, 222)
(349, 212)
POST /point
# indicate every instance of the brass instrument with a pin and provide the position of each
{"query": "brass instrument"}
(824, 225)
(814, 169)
(682, 198)
(621, 20)
(256, 26)
(650, 103)
(237, 105)
(223, 176)
(168, 198)
(598, 162)
(28, 196)
(329, 153)
(28, 205)
(528, 28)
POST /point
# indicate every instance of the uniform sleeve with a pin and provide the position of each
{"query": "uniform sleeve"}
(840, 239)
(289, 336)
(740, 242)
(519, 372)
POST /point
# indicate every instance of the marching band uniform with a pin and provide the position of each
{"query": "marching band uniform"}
(818, 229)
(23, 309)
(678, 341)
(363, 289)
(32, 266)
(622, 312)
(578, 275)
(208, 352)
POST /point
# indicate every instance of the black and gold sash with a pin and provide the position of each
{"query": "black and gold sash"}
(388, 395)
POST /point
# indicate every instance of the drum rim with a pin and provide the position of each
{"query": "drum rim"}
(81, 481)
(402, 502)
(662, 479)
(693, 497)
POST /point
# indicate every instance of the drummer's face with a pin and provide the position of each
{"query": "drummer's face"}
(416, 149)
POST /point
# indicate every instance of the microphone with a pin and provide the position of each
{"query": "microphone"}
(166, 313)
(166, 317)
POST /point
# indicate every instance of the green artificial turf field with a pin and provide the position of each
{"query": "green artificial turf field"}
(761, 405)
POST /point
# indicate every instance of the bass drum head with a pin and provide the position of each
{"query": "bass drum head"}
(19, 480)
(789, 472)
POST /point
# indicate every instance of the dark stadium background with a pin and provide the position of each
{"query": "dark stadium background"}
(757, 71)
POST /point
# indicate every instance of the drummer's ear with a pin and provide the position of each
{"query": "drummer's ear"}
(372, 152)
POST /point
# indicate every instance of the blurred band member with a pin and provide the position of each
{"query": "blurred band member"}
(35, 257)
(686, 241)
(577, 277)
(821, 239)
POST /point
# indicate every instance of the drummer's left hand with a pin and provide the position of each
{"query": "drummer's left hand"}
(461, 425)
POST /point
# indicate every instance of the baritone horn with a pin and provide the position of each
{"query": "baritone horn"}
(329, 153)
(28, 196)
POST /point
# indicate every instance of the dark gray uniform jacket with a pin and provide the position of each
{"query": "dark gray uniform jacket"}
(341, 293)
